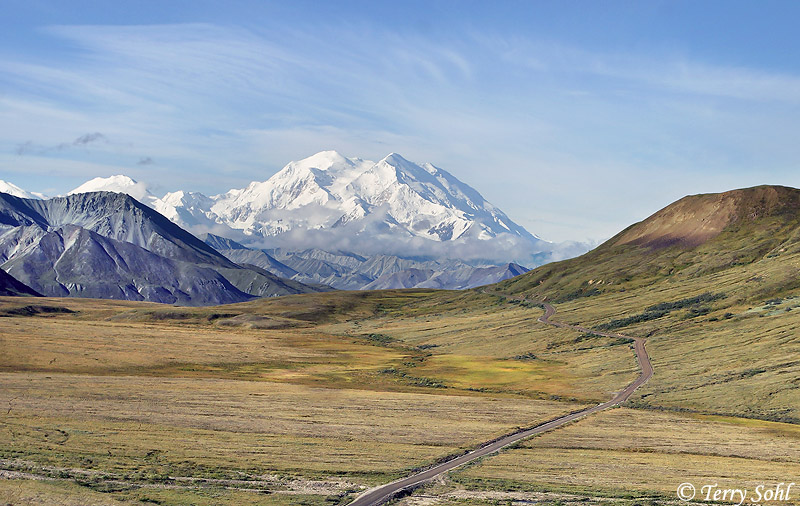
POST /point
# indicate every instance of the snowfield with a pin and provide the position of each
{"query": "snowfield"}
(328, 190)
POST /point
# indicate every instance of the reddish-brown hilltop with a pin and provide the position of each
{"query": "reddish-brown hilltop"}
(696, 236)
(696, 219)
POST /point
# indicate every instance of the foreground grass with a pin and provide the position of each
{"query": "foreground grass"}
(312, 398)
(217, 428)
(131, 401)
(65, 493)
(630, 456)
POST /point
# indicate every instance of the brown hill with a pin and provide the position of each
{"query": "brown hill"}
(696, 219)
(695, 236)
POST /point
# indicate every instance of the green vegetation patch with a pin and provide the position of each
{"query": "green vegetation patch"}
(664, 308)
(413, 380)
(36, 310)
(380, 339)
(776, 306)
(687, 302)
(579, 293)
(630, 320)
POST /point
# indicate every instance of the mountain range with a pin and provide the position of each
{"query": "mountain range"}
(349, 271)
(404, 225)
(109, 245)
(329, 192)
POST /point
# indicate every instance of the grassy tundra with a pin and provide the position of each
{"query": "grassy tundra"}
(307, 400)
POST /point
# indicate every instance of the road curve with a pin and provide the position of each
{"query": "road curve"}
(384, 493)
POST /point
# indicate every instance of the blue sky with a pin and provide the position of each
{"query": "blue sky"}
(576, 118)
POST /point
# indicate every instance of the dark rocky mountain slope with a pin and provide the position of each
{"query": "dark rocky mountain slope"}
(9, 286)
(108, 245)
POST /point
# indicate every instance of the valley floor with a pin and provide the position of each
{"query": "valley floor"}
(312, 399)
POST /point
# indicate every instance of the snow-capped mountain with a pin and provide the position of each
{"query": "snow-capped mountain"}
(328, 190)
(332, 202)
(189, 209)
(118, 184)
(393, 198)
(12, 189)
(397, 222)
(309, 194)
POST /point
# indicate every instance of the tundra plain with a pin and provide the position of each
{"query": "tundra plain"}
(311, 399)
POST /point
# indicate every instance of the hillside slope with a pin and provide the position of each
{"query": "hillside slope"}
(713, 282)
(697, 236)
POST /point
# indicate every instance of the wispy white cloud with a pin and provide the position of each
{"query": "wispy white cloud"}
(539, 128)
(655, 72)
(704, 79)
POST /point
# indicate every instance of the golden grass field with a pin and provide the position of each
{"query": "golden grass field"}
(142, 403)
(646, 454)
(308, 399)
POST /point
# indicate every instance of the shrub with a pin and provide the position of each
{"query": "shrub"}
(690, 301)
(630, 320)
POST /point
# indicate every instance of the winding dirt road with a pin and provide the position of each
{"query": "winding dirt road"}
(384, 493)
